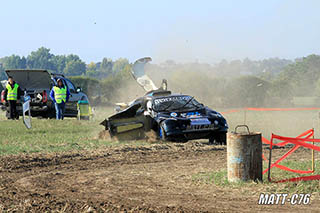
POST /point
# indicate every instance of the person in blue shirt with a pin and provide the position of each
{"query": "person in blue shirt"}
(60, 95)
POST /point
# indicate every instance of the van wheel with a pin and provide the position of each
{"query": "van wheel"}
(51, 114)
(8, 115)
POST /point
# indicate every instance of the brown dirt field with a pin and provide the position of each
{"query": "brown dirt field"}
(153, 178)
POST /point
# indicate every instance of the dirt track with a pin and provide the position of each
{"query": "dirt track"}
(155, 178)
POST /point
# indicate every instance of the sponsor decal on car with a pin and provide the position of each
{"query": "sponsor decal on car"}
(193, 115)
(173, 114)
(200, 121)
(183, 115)
(167, 99)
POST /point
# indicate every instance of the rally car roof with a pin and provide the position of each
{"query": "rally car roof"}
(156, 93)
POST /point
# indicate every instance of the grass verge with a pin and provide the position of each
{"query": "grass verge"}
(219, 178)
(50, 135)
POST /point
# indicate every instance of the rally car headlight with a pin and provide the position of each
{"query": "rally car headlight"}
(214, 115)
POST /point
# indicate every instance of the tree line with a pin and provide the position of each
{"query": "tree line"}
(235, 83)
(69, 65)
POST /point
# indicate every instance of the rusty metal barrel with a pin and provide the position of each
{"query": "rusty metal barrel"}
(244, 155)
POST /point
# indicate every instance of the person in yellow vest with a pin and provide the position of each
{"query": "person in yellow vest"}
(12, 93)
(60, 96)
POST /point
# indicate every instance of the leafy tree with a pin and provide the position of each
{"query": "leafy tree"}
(90, 86)
(282, 89)
(2, 73)
(98, 65)
(14, 62)
(301, 76)
(106, 67)
(60, 63)
(246, 91)
(74, 68)
(108, 87)
(73, 57)
(41, 59)
(92, 70)
(124, 74)
(317, 88)
(119, 65)
(92, 66)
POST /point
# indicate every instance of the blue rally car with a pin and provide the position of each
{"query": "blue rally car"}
(173, 118)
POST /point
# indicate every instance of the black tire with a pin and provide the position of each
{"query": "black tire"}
(162, 134)
(8, 115)
(219, 138)
(51, 114)
(211, 140)
(222, 138)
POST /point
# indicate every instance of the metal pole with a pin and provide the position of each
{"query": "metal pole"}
(270, 154)
(312, 151)
(29, 113)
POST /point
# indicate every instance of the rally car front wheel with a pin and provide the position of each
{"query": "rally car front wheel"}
(219, 138)
(162, 133)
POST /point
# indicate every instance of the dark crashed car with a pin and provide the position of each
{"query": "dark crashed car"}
(173, 117)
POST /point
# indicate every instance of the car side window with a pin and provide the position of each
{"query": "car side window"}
(70, 86)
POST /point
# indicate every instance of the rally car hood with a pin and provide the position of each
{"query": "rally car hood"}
(31, 79)
(139, 74)
(193, 114)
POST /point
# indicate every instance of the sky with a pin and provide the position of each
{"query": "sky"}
(181, 30)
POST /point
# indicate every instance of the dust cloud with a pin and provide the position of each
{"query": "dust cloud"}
(223, 93)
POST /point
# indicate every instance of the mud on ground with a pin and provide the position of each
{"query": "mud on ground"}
(151, 178)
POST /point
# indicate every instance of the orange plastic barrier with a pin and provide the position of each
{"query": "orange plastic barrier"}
(298, 142)
(282, 109)
(271, 109)
(230, 111)
(308, 135)
(304, 178)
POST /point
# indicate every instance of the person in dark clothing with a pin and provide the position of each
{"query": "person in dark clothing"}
(12, 93)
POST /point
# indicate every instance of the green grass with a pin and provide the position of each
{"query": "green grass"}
(220, 178)
(50, 135)
(70, 134)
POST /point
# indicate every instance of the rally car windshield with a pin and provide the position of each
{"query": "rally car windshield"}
(175, 103)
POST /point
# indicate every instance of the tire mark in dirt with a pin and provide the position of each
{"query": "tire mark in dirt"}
(155, 178)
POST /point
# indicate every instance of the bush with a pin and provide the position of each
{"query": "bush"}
(89, 86)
